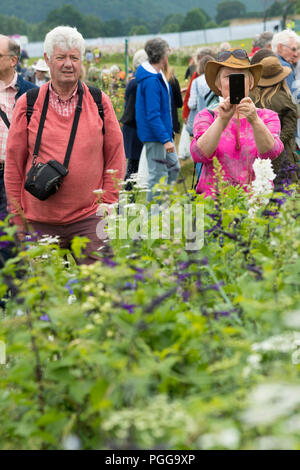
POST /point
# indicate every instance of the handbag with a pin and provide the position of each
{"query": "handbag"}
(45, 179)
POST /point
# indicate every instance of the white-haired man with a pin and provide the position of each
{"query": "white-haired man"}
(286, 44)
(97, 158)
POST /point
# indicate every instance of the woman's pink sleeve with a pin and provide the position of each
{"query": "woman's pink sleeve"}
(271, 120)
(203, 121)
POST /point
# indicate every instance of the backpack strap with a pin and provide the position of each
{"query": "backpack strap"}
(5, 118)
(97, 96)
(31, 96)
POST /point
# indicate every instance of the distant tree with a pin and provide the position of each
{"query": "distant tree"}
(170, 28)
(211, 24)
(176, 18)
(139, 29)
(93, 26)
(67, 15)
(12, 25)
(194, 19)
(229, 10)
(274, 10)
(112, 28)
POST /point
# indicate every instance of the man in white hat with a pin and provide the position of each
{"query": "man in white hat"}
(40, 75)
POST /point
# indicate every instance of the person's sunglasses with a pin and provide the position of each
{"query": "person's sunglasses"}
(237, 53)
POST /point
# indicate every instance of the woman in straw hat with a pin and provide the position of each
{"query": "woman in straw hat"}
(273, 92)
(235, 134)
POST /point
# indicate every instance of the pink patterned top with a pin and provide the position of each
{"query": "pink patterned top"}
(236, 164)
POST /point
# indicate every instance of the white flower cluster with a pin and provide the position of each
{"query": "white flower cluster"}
(262, 186)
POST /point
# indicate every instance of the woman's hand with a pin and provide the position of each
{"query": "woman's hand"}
(248, 109)
(226, 111)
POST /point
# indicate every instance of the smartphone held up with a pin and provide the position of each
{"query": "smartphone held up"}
(236, 87)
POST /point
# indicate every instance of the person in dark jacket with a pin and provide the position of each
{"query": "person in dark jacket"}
(177, 102)
(12, 87)
(132, 144)
(273, 93)
(154, 115)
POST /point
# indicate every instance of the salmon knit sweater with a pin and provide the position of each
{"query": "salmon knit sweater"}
(92, 155)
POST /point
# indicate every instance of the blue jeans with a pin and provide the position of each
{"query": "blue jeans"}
(160, 164)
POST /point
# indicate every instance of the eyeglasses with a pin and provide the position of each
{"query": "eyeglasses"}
(294, 49)
(5, 55)
(237, 53)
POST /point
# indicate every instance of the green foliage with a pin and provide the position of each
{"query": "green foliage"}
(194, 20)
(141, 29)
(228, 10)
(10, 25)
(158, 345)
(148, 10)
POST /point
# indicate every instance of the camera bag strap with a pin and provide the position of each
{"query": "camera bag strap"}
(73, 130)
(5, 118)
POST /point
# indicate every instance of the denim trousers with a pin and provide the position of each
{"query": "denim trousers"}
(160, 164)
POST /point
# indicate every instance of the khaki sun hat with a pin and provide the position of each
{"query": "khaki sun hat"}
(41, 66)
(273, 72)
(234, 59)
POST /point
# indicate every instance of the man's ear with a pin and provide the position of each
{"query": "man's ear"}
(46, 59)
(15, 60)
(279, 49)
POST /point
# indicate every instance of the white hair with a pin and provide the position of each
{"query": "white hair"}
(284, 38)
(139, 57)
(65, 38)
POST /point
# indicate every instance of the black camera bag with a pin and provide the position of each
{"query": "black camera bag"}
(45, 179)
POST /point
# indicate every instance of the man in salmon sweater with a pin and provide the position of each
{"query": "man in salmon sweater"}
(97, 160)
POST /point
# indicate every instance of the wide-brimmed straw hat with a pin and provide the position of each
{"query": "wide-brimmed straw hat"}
(273, 72)
(41, 66)
(234, 59)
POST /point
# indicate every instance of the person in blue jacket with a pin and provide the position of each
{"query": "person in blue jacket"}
(153, 110)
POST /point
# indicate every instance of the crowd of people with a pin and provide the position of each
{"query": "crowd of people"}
(62, 144)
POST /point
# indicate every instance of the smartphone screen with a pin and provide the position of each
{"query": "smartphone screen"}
(236, 87)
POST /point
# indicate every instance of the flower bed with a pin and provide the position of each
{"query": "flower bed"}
(160, 344)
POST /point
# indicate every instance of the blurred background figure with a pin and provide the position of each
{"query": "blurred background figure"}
(265, 40)
(273, 93)
(255, 46)
(224, 46)
(261, 54)
(40, 73)
(133, 146)
(201, 52)
(176, 101)
(191, 68)
(200, 92)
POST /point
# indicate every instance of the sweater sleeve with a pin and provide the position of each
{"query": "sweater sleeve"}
(271, 120)
(16, 158)
(203, 121)
(113, 154)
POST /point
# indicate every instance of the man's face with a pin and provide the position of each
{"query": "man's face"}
(40, 74)
(65, 66)
(289, 52)
(7, 61)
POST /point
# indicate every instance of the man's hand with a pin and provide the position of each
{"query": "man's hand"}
(169, 146)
